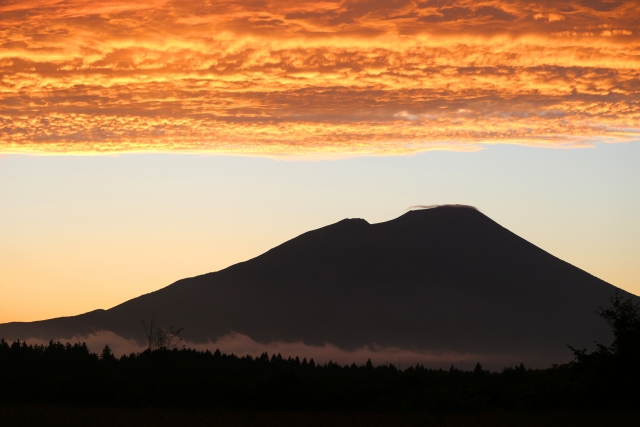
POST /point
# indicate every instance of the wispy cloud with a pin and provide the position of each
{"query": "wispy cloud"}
(418, 207)
(316, 78)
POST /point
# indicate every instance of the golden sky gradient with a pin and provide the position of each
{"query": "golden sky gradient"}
(315, 77)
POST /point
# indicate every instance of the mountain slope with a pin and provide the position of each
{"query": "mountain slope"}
(442, 279)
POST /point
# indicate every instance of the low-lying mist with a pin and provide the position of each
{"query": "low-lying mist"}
(242, 345)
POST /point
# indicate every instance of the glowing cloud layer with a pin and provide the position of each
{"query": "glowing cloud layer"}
(315, 78)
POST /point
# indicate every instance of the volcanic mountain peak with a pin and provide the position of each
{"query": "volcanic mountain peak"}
(413, 220)
(440, 213)
(443, 279)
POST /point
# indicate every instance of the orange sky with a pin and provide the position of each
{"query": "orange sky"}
(309, 78)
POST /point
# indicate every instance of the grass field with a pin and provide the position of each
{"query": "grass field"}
(87, 416)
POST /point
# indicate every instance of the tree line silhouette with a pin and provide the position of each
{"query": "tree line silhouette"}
(169, 375)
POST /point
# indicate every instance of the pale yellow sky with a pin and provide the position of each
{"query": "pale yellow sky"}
(81, 233)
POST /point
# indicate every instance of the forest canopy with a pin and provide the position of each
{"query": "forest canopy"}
(173, 376)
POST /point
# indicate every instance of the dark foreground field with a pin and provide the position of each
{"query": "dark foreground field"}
(98, 417)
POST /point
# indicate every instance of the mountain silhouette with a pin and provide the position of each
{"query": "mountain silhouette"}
(445, 279)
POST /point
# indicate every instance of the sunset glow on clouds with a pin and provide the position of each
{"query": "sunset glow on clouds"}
(315, 78)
